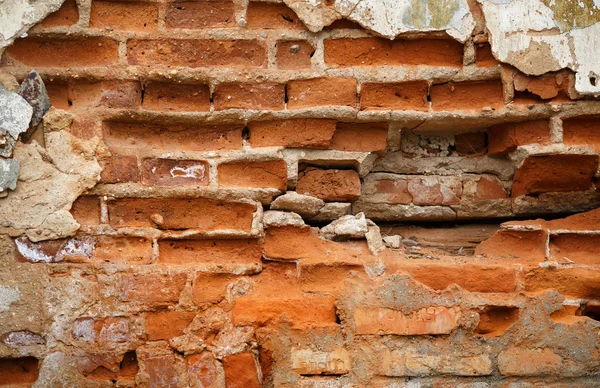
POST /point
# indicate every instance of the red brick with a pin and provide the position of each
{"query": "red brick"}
(360, 137)
(570, 282)
(268, 174)
(38, 252)
(580, 248)
(126, 250)
(467, 96)
(307, 93)
(165, 96)
(410, 95)
(435, 190)
(220, 252)
(162, 372)
(582, 131)
(121, 94)
(109, 329)
(86, 210)
(210, 288)
(394, 191)
(67, 15)
(240, 371)
(484, 56)
(294, 54)
(64, 52)
(378, 51)
(202, 368)
(505, 138)
(272, 16)
(119, 169)
(18, 371)
(131, 136)
(329, 185)
(195, 15)
(544, 87)
(487, 189)
(124, 15)
(153, 289)
(471, 144)
(172, 172)
(525, 246)
(554, 173)
(309, 133)
(266, 96)
(164, 325)
(179, 213)
(308, 311)
(197, 53)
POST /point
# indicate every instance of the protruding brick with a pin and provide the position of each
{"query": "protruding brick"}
(172, 172)
(64, 52)
(210, 288)
(430, 320)
(179, 213)
(307, 93)
(165, 96)
(554, 173)
(262, 96)
(197, 53)
(582, 131)
(164, 325)
(118, 169)
(309, 133)
(410, 95)
(309, 311)
(124, 15)
(505, 138)
(525, 246)
(220, 252)
(378, 51)
(86, 210)
(196, 15)
(329, 185)
(272, 16)
(360, 137)
(467, 96)
(241, 371)
(267, 174)
(294, 54)
(67, 15)
(571, 282)
(579, 248)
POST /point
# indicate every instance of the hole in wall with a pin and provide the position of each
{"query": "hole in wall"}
(495, 320)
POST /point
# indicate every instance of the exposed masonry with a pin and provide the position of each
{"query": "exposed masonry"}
(299, 194)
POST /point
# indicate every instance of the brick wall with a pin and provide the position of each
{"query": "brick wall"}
(230, 136)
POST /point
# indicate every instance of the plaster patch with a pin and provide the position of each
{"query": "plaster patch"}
(8, 295)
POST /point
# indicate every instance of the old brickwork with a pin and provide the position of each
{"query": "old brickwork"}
(230, 137)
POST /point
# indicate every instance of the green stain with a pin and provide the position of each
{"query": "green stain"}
(569, 14)
(435, 14)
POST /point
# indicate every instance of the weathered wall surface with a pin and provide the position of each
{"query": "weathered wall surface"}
(300, 194)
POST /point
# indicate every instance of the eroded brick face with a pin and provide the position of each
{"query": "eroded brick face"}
(236, 194)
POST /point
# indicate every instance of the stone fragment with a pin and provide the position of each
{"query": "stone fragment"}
(351, 226)
(332, 211)
(15, 114)
(430, 320)
(392, 241)
(34, 91)
(9, 172)
(310, 362)
(279, 218)
(374, 240)
(304, 205)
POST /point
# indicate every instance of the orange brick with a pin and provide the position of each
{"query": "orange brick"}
(172, 172)
(268, 174)
(124, 15)
(130, 136)
(471, 143)
(210, 288)
(329, 185)
(505, 138)
(86, 210)
(582, 131)
(484, 56)
(64, 52)
(17, 371)
(119, 169)
(99, 330)
(67, 15)
(121, 94)
(488, 188)
(240, 371)
(272, 16)
(266, 95)
(197, 53)
(570, 282)
(179, 213)
(307, 93)
(164, 325)
(294, 54)
(580, 248)
(317, 311)
(309, 133)
(129, 250)
(195, 15)
(165, 96)
(153, 289)
(525, 246)
(410, 95)
(162, 371)
(203, 368)
(360, 137)
(219, 252)
(379, 51)
(58, 92)
(467, 96)
(554, 173)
